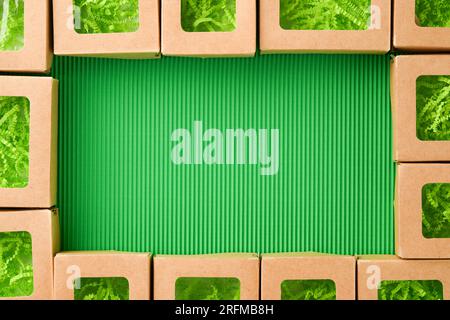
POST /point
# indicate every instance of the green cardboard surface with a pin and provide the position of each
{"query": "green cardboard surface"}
(120, 189)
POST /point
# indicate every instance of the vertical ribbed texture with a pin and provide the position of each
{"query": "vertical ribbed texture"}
(119, 190)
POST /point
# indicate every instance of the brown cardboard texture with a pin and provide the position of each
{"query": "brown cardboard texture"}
(36, 54)
(143, 43)
(42, 93)
(410, 240)
(274, 39)
(244, 267)
(405, 70)
(277, 268)
(372, 270)
(408, 35)
(43, 227)
(135, 267)
(240, 42)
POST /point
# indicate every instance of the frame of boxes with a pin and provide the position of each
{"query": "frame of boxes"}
(29, 226)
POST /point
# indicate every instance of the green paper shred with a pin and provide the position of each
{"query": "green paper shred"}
(16, 266)
(11, 25)
(14, 141)
(325, 14)
(208, 15)
(101, 289)
(433, 13)
(411, 290)
(207, 289)
(106, 16)
(433, 108)
(436, 210)
(308, 290)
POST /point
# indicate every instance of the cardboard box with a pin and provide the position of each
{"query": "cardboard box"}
(29, 110)
(416, 81)
(207, 277)
(391, 278)
(280, 34)
(137, 36)
(300, 276)
(28, 242)
(104, 275)
(181, 38)
(413, 33)
(421, 208)
(30, 48)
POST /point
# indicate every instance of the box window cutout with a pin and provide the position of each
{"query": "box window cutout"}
(433, 13)
(433, 108)
(11, 25)
(208, 289)
(436, 210)
(16, 265)
(411, 290)
(208, 15)
(100, 16)
(101, 289)
(308, 290)
(325, 14)
(14, 141)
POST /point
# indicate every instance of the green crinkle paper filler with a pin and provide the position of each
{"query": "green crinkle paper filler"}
(11, 25)
(433, 108)
(16, 266)
(325, 14)
(102, 289)
(14, 141)
(436, 210)
(106, 16)
(308, 290)
(208, 15)
(411, 290)
(207, 289)
(433, 13)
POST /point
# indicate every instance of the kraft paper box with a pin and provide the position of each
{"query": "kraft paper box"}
(422, 25)
(308, 276)
(113, 29)
(422, 211)
(391, 278)
(421, 108)
(28, 242)
(355, 26)
(28, 152)
(25, 42)
(207, 277)
(214, 31)
(106, 275)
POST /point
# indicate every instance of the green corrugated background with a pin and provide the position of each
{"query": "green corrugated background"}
(119, 190)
